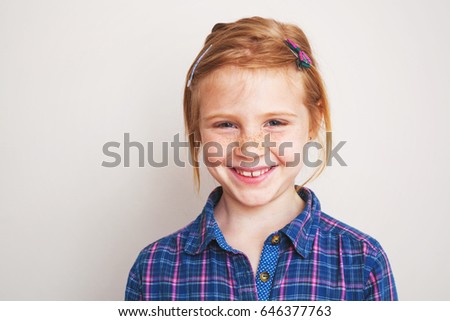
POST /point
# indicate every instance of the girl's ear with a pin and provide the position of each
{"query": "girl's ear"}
(313, 132)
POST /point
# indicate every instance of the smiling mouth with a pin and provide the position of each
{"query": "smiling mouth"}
(252, 173)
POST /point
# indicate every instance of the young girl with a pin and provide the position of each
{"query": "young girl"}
(253, 100)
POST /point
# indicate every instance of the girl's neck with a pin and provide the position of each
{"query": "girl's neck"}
(234, 216)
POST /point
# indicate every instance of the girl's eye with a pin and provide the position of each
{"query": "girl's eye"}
(274, 122)
(225, 125)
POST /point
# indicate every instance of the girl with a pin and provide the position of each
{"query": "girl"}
(253, 100)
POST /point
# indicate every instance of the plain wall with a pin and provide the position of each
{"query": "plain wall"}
(77, 74)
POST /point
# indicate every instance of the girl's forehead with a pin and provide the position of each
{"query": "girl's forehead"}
(231, 75)
(237, 84)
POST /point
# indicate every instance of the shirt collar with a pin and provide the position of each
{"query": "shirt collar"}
(301, 231)
(203, 229)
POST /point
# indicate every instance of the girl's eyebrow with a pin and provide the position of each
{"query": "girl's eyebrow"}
(266, 115)
(280, 114)
(219, 116)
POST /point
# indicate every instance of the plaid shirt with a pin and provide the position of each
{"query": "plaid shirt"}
(315, 257)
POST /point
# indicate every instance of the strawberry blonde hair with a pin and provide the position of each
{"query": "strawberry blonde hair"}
(256, 43)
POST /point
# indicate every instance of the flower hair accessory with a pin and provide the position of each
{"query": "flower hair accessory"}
(302, 58)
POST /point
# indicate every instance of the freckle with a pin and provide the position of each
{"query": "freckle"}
(259, 139)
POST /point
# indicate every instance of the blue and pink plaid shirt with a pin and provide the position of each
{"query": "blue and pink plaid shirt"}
(315, 257)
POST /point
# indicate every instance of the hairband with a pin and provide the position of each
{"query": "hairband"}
(196, 64)
(302, 58)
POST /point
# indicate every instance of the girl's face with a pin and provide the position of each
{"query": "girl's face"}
(253, 127)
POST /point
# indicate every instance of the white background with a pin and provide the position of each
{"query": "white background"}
(77, 74)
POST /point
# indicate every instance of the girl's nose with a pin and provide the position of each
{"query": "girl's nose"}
(251, 146)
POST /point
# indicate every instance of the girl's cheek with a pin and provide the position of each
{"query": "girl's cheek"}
(288, 148)
(216, 149)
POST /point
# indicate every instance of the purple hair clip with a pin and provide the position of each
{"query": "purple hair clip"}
(302, 58)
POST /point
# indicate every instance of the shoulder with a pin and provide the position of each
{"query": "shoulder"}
(358, 248)
(330, 227)
(169, 245)
(153, 262)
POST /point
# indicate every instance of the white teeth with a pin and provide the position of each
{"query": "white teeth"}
(252, 174)
(256, 173)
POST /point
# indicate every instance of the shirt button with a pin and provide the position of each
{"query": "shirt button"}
(264, 276)
(275, 239)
